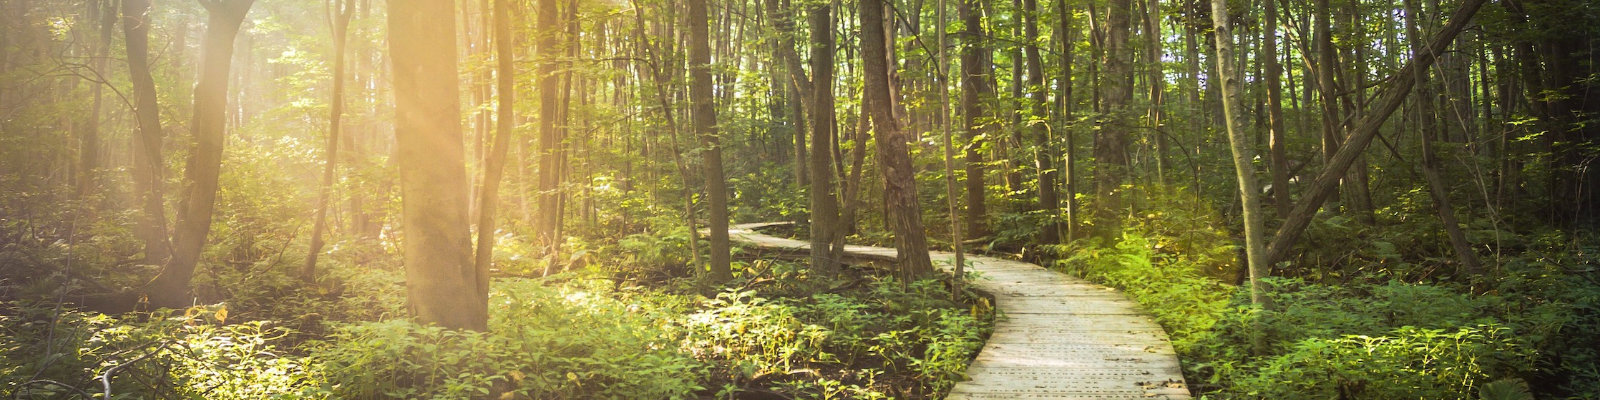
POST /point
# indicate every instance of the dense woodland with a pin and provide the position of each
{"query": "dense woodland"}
(1362, 199)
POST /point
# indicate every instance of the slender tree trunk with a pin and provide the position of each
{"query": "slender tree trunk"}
(943, 86)
(824, 207)
(1044, 150)
(171, 288)
(549, 49)
(1470, 267)
(1111, 142)
(705, 125)
(1157, 82)
(977, 97)
(1243, 151)
(1279, 153)
(440, 275)
(339, 13)
(894, 158)
(505, 122)
(149, 169)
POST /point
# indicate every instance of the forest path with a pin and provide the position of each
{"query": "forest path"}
(1057, 336)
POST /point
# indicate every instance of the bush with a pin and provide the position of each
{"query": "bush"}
(569, 342)
(159, 355)
(1408, 363)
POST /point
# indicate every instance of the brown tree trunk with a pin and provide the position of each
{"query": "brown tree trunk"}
(104, 19)
(1044, 150)
(1470, 267)
(505, 121)
(440, 276)
(148, 167)
(894, 157)
(705, 125)
(204, 167)
(1279, 153)
(824, 207)
(1157, 83)
(1111, 142)
(976, 101)
(549, 49)
(339, 13)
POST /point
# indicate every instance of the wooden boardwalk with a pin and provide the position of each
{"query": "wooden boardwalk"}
(1058, 337)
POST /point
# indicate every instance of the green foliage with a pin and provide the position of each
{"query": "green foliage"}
(159, 355)
(798, 344)
(1409, 362)
(567, 342)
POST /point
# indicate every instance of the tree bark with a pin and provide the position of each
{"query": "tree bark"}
(1039, 105)
(1111, 142)
(1356, 142)
(204, 167)
(1243, 150)
(505, 122)
(149, 169)
(824, 202)
(705, 125)
(548, 48)
(440, 275)
(1470, 267)
(977, 118)
(894, 158)
(1279, 153)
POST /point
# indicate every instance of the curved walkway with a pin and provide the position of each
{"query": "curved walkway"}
(1058, 337)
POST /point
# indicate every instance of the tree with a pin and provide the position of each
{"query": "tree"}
(204, 167)
(894, 158)
(148, 168)
(505, 121)
(704, 117)
(1243, 150)
(339, 13)
(976, 117)
(440, 277)
(1111, 142)
(1430, 162)
(548, 54)
(1278, 154)
(824, 203)
(1044, 150)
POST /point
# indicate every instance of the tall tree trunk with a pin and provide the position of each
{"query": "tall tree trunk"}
(1279, 153)
(204, 167)
(1243, 150)
(1069, 159)
(549, 179)
(976, 100)
(440, 276)
(505, 121)
(942, 83)
(894, 157)
(1470, 267)
(1157, 82)
(1356, 142)
(824, 206)
(705, 125)
(1111, 142)
(149, 169)
(1044, 150)
(339, 13)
